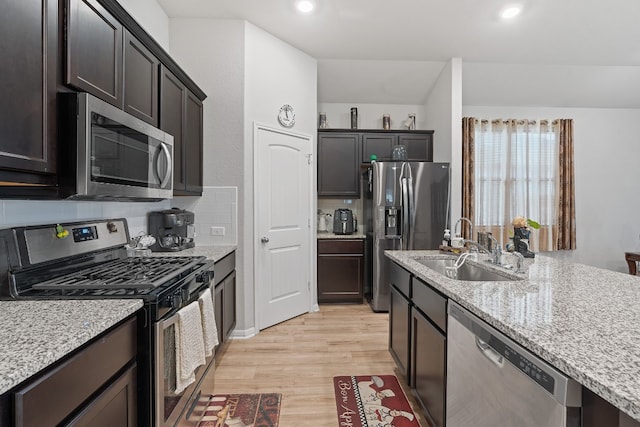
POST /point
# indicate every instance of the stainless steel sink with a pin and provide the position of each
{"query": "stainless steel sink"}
(467, 271)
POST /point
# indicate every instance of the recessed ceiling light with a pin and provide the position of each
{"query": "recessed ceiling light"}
(510, 12)
(305, 6)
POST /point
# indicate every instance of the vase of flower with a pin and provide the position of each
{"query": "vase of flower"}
(522, 235)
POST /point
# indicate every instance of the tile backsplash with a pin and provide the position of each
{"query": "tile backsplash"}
(15, 213)
(216, 208)
(330, 205)
(215, 211)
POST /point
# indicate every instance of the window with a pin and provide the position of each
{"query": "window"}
(512, 168)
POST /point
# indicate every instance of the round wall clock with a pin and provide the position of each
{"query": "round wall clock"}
(286, 116)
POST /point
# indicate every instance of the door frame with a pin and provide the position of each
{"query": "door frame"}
(313, 293)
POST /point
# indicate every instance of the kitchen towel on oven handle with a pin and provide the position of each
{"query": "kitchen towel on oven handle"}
(190, 351)
(209, 329)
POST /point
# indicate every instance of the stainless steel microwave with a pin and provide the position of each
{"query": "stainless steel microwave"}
(108, 154)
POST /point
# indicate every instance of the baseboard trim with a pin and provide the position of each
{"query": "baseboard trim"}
(242, 334)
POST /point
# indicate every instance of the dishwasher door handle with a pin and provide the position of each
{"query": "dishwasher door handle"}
(489, 353)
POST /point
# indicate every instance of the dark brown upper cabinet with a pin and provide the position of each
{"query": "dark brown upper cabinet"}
(379, 144)
(94, 50)
(140, 80)
(419, 146)
(106, 60)
(338, 165)
(28, 42)
(181, 116)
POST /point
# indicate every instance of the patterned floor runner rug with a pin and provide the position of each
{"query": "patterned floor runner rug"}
(372, 401)
(240, 410)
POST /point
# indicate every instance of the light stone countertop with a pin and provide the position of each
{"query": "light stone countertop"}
(35, 334)
(583, 320)
(216, 253)
(330, 235)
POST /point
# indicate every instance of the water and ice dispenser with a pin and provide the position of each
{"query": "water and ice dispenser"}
(392, 221)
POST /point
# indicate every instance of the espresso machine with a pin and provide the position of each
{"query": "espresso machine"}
(173, 229)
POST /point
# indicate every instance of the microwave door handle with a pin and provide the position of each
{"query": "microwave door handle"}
(167, 175)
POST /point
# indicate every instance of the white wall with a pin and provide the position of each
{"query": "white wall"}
(247, 74)
(370, 115)
(151, 17)
(606, 178)
(275, 74)
(443, 109)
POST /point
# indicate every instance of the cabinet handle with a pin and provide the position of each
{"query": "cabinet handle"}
(264, 240)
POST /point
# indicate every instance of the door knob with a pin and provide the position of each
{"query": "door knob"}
(265, 240)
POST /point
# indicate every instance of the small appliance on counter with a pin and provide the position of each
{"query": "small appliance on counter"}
(343, 221)
(173, 229)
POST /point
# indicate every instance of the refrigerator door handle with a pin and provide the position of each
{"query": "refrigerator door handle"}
(412, 212)
(405, 214)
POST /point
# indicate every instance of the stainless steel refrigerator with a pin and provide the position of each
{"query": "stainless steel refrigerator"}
(405, 208)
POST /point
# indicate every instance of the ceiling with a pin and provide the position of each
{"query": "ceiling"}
(570, 52)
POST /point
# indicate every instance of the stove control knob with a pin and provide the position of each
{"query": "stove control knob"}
(176, 300)
(185, 294)
(112, 227)
(204, 277)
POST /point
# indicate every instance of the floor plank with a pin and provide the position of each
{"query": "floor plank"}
(300, 357)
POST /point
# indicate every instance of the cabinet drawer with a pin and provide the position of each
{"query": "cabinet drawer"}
(400, 278)
(224, 267)
(56, 394)
(430, 302)
(341, 246)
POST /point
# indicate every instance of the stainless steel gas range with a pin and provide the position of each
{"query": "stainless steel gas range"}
(88, 260)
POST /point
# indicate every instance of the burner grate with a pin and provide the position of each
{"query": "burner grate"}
(128, 273)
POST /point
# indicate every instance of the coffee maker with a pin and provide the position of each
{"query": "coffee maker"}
(173, 230)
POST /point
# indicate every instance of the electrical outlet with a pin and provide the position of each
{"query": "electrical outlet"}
(217, 231)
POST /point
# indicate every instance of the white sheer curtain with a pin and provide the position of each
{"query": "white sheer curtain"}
(516, 174)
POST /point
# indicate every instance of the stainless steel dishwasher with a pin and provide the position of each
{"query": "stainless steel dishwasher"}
(492, 381)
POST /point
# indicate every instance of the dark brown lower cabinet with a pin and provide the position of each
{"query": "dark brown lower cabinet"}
(428, 367)
(113, 407)
(399, 321)
(95, 386)
(340, 270)
(225, 297)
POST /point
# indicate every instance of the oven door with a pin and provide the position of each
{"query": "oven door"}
(187, 405)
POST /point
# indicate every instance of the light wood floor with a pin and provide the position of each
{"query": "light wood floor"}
(300, 357)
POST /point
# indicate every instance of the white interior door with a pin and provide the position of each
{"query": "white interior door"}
(283, 229)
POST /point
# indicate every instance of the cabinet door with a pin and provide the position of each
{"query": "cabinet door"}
(218, 311)
(399, 322)
(338, 165)
(181, 116)
(172, 108)
(340, 270)
(28, 42)
(379, 144)
(115, 406)
(192, 150)
(94, 50)
(428, 367)
(140, 80)
(229, 306)
(419, 146)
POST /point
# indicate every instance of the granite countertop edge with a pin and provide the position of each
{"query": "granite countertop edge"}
(36, 334)
(325, 235)
(576, 317)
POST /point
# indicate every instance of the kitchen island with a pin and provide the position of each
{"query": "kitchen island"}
(581, 319)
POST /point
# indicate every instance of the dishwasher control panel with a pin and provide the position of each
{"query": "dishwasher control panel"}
(525, 365)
